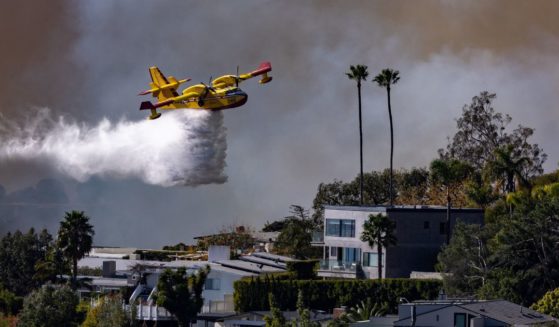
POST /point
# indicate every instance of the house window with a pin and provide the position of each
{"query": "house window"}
(442, 228)
(348, 228)
(212, 284)
(340, 227)
(370, 259)
(425, 225)
(460, 320)
(351, 254)
(333, 251)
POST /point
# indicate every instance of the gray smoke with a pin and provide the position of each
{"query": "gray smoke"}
(180, 148)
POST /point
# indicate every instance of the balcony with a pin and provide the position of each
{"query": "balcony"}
(338, 269)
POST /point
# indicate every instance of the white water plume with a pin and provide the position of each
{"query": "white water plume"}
(180, 148)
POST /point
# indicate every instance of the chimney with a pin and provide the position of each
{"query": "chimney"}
(442, 295)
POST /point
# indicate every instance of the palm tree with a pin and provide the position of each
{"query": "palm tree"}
(508, 168)
(75, 238)
(379, 231)
(364, 311)
(449, 173)
(386, 78)
(359, 73)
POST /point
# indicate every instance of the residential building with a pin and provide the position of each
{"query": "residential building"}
(468, 313)
(420, 231)
(142, 277)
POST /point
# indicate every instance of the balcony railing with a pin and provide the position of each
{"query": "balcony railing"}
(335, 265)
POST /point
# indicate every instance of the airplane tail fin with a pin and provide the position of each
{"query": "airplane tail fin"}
(162, 87)
(263, 70)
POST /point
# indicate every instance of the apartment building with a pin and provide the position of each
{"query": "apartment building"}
(420, 230)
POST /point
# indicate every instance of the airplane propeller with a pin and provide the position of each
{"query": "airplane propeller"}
(206, 91)
(237, 77)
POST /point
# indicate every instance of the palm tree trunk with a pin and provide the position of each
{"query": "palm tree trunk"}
(379, 261)
(447, 225)
(360, 146)
(74, 271)
(391, 146)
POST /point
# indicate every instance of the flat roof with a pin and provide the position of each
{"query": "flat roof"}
(128, 264)
(399, 208)
(248, 266)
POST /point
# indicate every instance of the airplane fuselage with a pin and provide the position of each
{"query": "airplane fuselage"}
(215, 99)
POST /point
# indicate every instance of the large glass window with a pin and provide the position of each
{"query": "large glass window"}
(370, 259)
(351, 254)
(332, 227)
(340, 227)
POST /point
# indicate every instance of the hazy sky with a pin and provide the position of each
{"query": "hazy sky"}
(86, 61)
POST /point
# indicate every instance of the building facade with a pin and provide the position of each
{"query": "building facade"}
(420, 231)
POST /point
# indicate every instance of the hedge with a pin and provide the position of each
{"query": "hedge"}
(252, 294)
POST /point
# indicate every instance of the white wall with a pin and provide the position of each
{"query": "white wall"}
(352, 242)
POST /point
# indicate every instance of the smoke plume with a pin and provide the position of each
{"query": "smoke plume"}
(180, 148)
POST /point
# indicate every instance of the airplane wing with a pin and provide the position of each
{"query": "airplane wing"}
(162, 87)
(232, 80)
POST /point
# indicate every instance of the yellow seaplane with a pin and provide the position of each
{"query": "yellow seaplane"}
(221, 93)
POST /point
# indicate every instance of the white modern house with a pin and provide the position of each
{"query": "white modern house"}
(420, 230)
(142, 277)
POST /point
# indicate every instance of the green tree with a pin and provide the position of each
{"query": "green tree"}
(410, 186)
(450, 174)
(524, 250)
(108, 312)
(19, 254)
(181, 294)
(379, 231)
(479, 191)
(50, 306)
(481, 130)
(276, 318)
(510, 257)
(75, 238)
(295, 239)
(359, 73)
(10, 304)
(548, 304)
(466, 262)
(386, 79)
